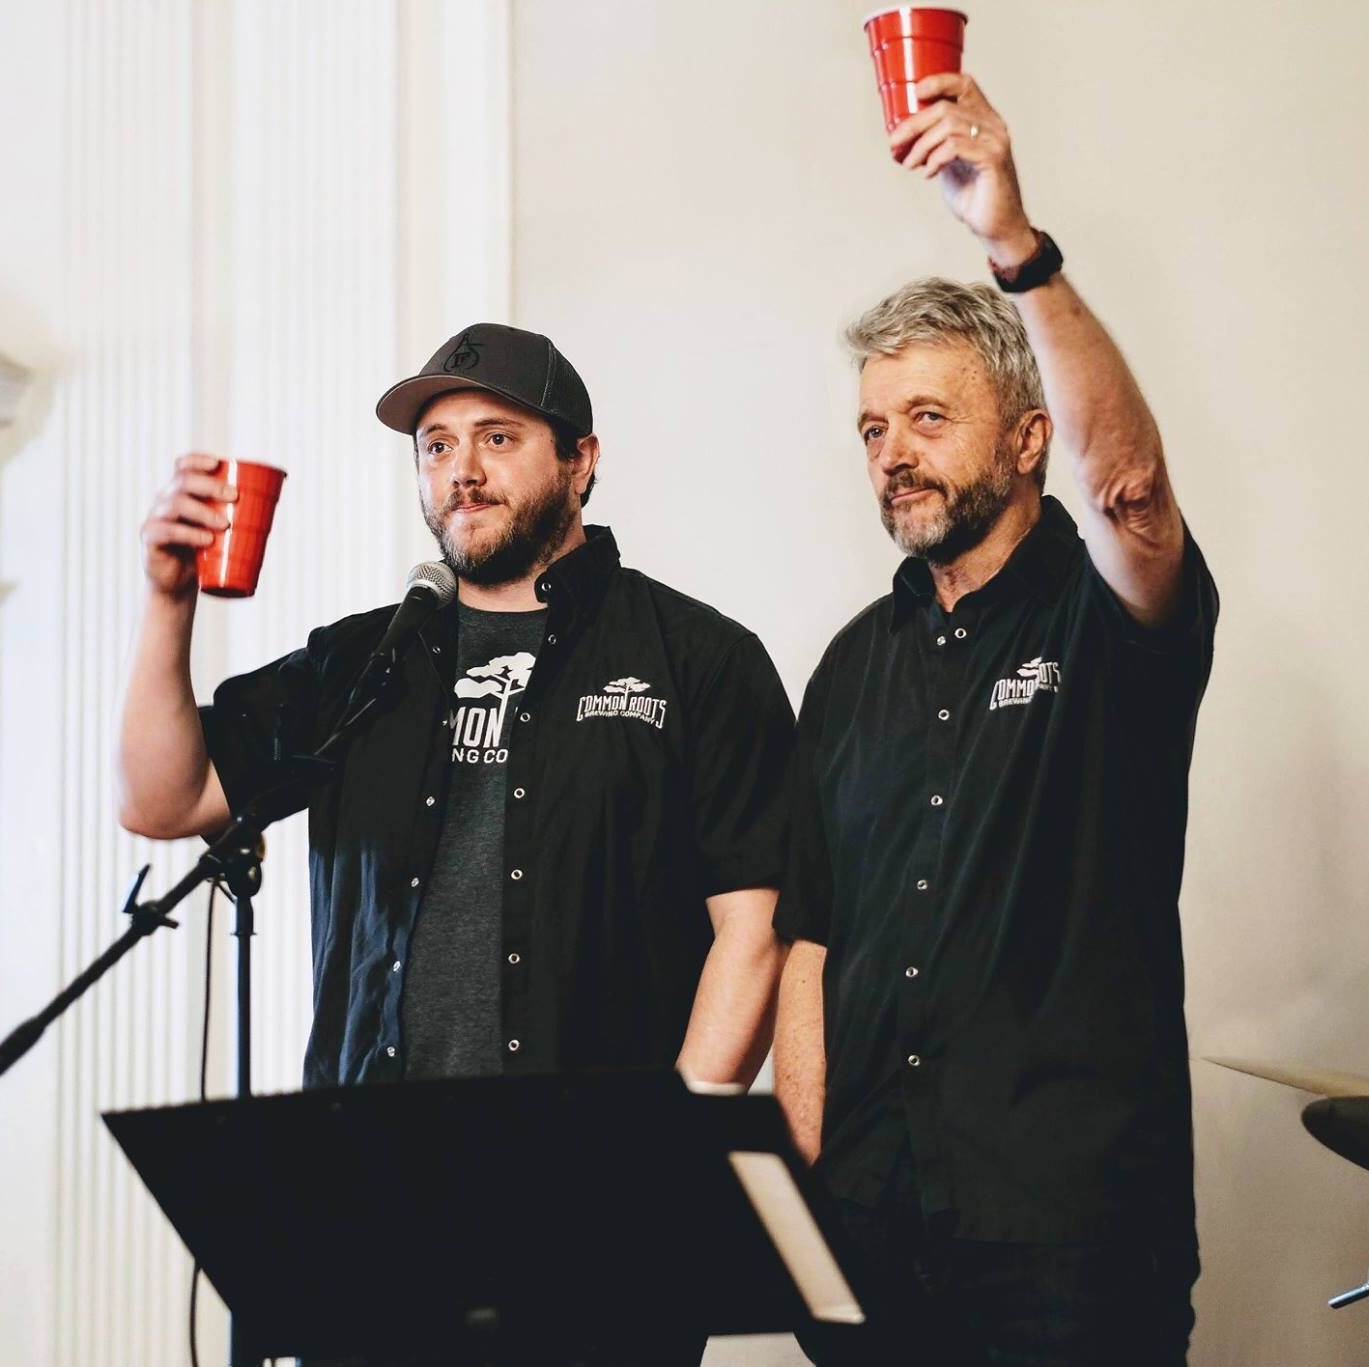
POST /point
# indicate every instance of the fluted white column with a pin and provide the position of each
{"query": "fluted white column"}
(237, 223)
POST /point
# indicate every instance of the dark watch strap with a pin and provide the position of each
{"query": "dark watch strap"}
(1043, 263)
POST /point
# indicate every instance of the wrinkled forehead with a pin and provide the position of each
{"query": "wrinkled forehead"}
(951, 369)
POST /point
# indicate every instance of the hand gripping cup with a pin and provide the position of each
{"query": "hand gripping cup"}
(228, 567)
(907, 44)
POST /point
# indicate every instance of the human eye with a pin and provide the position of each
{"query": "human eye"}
(435, 448)
(929, 418)
(500, 439)
(871, 433)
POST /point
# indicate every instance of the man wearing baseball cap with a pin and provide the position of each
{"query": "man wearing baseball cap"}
(558, 846)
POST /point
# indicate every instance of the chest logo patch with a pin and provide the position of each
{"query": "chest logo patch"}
(624, 697)
(1018, 689)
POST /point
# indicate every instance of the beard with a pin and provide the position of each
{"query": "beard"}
(529, 538)
(965, 516)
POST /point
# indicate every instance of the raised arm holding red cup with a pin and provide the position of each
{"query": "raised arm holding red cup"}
(1132, 525)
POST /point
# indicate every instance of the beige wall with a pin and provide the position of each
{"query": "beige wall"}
(702, 199)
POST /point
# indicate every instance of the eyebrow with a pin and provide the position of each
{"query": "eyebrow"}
(915, 401)
(480, 424)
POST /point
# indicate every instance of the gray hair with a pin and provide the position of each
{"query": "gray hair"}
(937, 311)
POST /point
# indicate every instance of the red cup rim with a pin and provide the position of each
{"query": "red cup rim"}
(261, 464)
(894, 9)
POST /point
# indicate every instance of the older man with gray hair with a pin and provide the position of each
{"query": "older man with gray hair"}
(981, 1038)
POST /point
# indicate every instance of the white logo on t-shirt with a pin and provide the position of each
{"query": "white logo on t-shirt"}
(478, 723)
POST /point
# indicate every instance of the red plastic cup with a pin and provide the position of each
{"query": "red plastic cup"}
(230, 565)
(907, 44)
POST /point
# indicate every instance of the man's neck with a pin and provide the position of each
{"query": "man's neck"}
(519, 595)
(980, 563)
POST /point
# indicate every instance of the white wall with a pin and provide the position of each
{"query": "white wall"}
(703, 200)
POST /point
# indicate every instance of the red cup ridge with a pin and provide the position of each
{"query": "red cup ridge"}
(908, 43)
(230, 565)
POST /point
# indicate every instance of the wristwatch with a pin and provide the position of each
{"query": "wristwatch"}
(1043, 263)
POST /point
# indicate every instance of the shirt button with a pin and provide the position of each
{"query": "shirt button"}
(943, 714)
(937, 799)
(545, 586)
(961, 633)
(525, 716)
(941, 640)
(395, 967)
(390, 1050)
(514, 1046)
(551, 640)
(520, 792)
(910, 972)
(516, 874)
(515, 958)
(914, 1061)
(922, 885)
(430, 801)
(413, 882)
(437, 650)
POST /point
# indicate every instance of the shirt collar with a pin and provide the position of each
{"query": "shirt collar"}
(1038, 564)
(572, 585)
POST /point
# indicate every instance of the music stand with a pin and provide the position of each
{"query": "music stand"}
(504, 1220)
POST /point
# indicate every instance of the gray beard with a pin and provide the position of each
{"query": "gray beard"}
(967, 514)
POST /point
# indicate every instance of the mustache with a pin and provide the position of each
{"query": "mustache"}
(905, 481)
(456, 499)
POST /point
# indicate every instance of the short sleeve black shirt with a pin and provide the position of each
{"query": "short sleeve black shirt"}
(988, 837)
(645, 774)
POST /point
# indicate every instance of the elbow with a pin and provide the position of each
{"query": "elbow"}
(1122, 469)
(137, 818)
(1132, 491)
(137, 822)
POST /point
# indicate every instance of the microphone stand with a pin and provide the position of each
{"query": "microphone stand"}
(233, 860)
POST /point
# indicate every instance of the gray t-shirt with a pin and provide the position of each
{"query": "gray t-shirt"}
(450, 1011)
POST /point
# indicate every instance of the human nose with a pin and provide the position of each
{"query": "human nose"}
(898, 450)
(465, 464)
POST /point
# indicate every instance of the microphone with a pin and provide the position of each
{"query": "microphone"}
(430, 587)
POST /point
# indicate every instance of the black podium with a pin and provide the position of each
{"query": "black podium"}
(500, 1220)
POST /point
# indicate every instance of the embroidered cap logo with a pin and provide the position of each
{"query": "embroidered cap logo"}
(464, 357)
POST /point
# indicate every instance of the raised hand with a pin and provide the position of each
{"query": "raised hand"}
(181, 522)
(961, 140)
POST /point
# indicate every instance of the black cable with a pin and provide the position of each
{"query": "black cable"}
(204, 1091)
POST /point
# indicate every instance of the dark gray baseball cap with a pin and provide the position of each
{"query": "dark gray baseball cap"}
(523, 367)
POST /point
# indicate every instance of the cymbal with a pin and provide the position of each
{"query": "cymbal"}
(1342, 1124)
(1321, 1081)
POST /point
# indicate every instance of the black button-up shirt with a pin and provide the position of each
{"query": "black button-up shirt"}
(988, 837)
(645, 773)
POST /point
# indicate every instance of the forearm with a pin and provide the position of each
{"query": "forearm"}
(1097, 407)
(163, 769)
(733, 1018)
(800, 1053)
